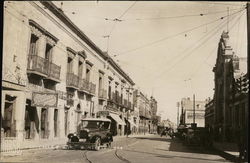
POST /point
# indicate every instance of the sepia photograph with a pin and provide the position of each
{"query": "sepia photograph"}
(125, 81)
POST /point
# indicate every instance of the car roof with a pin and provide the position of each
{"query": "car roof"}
(96, 119)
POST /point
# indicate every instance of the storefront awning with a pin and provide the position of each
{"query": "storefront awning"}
(132, 123)
(117, 118)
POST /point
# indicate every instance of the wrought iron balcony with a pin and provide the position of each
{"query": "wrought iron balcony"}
(125, 103)
(38, 65)
(102, 94)
(92, 88)
(129, 105)
(43, 67)
(83, 85)
(54, 71)
(72, 81)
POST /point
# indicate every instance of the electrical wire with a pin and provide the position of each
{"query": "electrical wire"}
(180, 16)
(210, 54)
(172, 36)
(119, 18)
(188, 54)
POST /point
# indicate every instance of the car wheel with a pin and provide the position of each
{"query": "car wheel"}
(97, 144)
(109, 144)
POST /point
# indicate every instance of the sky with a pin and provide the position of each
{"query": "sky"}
(168, 48)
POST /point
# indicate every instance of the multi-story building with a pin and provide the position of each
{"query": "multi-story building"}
(209, 114)
(230, 93)
(187, 112)
(153, 106)
(143, 104)
(54, 75)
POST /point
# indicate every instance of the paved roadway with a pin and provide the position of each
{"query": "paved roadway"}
(139, 149)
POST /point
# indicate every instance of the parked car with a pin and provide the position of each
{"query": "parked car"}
(195, 136)
(92, 133)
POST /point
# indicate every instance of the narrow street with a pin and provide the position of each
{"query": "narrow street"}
(149, 148)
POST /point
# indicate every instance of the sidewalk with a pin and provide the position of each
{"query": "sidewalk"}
(27, 146)
(227, 150)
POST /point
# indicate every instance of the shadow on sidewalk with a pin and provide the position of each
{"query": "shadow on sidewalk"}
(165, 139)
(172, 156)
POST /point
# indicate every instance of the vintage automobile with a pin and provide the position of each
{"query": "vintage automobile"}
(195, 136)
(92, 133)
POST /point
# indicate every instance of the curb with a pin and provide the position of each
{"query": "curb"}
(226, 155)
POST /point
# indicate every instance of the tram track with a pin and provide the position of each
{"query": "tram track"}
(116, 155)
(86, 157)
(120, 157)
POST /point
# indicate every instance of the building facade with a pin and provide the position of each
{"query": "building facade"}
(187, 112)
(143, 104)
(54, 75)
(231, 92)
(153, 105)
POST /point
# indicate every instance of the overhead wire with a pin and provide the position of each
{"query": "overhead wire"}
(119, 18)
(174, 35)
(188, 54)
(210, 54)
(180, 16)
(113, 27)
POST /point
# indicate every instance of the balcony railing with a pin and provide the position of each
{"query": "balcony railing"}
(92, 88)
(54, 71)
(129, 105)
(125, 103)
(72, 80)
(102, 93)
(38, 64)
(83, 85)
(42, 66)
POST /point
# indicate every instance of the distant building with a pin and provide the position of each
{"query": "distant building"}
(143, 104)
(209, 114)
(187, 112)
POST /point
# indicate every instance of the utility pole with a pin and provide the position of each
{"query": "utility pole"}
(182, 114)
(144, 117)
(178, 105)
(194, 108)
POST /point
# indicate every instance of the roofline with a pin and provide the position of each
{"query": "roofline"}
(60, 15)
(118, 68)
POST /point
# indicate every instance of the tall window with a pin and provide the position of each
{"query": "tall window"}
(48, 52)
(100, 81)
(33, 45)
(88, 74)
(55, 122)
(109, 90)
(70, 65)
(44, 119)
(80, 69)
(66, 121)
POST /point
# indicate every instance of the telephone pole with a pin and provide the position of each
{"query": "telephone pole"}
(194, 108)
(178, 105)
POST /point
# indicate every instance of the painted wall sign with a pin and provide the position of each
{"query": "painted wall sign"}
(44, 99)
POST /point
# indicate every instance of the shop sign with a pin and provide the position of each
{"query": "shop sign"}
(43, 99)
(197, 115)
